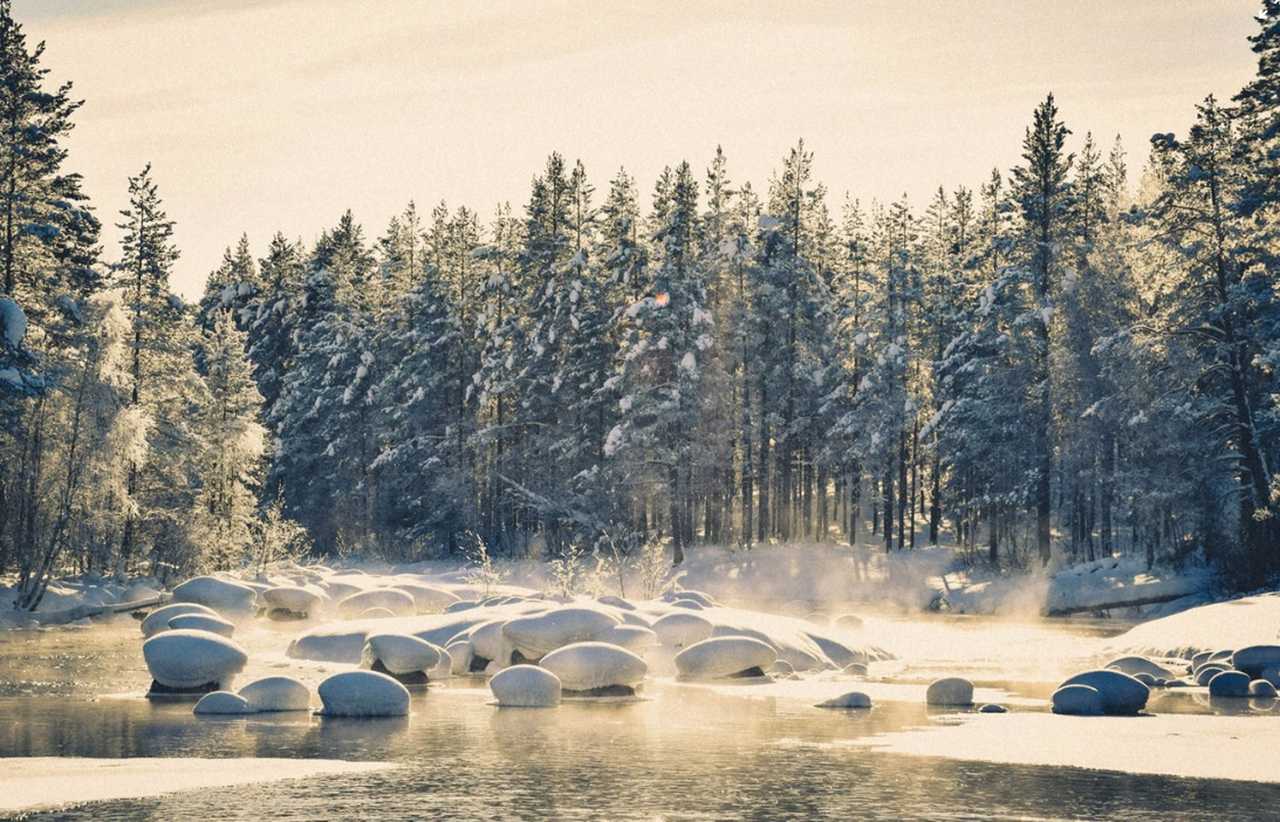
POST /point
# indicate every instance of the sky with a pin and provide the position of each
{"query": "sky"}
(266, 115)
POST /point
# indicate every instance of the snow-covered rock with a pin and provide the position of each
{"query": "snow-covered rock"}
(1262, 689)
(202, 622)
(782, 668)
(399, 653)
(1229, 683)
(703, 599)
(222, 703)
(427, 599)
(377, 612)
(853, 699)
(295, 599)
(1208, 671)
(681, 629)
(1271, 675)
(363, 694)
(461, 605)
(526, 686)
(460, 656)
(1121, 694)
(850, 622)
(1078, 700)
(950, 691)
(399, 603)
(855, 669)
(443, 669)
(594, 666)
(1256, 658)
(191, 659)
(992, 708)
(632, 637)
(687, 604)
(616, 602)
(538, 635)
(1134, 665)
(725, 656)
(277, 693)
(222, 595)
(158, 620)
(488, 642)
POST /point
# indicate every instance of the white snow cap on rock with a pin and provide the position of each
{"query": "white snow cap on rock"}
(526, 686)
(277, 693)
(188, 659)
(158, 620)
(203, 622)
(294, 598)
(460, 653)
(682, 628)
(363, 694)
(222, 703)
(222, 595)
(399, 653)
(951, 691)
(586, 666)
(724, 656)
(538, 635)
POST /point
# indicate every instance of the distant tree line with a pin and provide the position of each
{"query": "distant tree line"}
(1053, 364)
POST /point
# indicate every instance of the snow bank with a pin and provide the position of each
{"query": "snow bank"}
(526, 686)
(192, 659)
(277, 693)
(1238, 623)
(363, 694)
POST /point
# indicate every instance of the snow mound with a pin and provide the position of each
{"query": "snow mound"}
(191, 659)
(536, 636)
(399, 653)
(526, 686)
(222, 703)
(1238, 623)
(293, 598)
(363, 694)
(853, 699)
(158, 620)
(680, 629)
(1121, 694)
(399, 603)
(202, 622)
(951, 691)
(277, 693)
(725, 656)
(222, 595)
(592, 666)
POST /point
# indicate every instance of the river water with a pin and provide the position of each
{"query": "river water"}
(681, 753)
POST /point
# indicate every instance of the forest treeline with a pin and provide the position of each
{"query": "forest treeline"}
(1066, 360)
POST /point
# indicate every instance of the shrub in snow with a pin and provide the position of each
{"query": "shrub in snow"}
(992, 708)
(1121, 694)
(536, 636)
(222, 595)
(277, 693)
(394, 600)
(526, 686)
(460, 654)
(595, 667)
(1134, 665)
(399, 654)
(158, 620)
(363, 694)
(427, 599)
(1256, 659)
(1262, 689)
(186, 661)
(203, 622)
(1078, 700)
(950, 691)
(222, 703)
(285, 601)
(681, 629)
(725, 656)
(1229, 683)
(631, 637)
(853, 699)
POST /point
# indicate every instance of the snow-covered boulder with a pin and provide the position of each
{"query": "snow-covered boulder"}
(1134, 665)
(595, 667)
(855, 669)
(725, 656)
(538, 635)
(703, 599)
(526, 686)
(291, 601)
(853, 699)
(1078, 700)
(277, 693)
(202, 622)
(158, 620)
(1256, 658)
(1121, 694)
(1271, 675)
(398, 602)
(363, 694)
(377, 612)
(223, 595)
(399, 654)
(443, 669)
(1262, 689)
(460, 657)
(427, 599)
(222, 703)
(952, 691)
(632, 637)
(489, 643)
(461, 605)
(681, 629)
(1145, 678)
(1208, 671)
(687, 604)
(1229, 684)
(850, 622)
(616, 602)
(339, 590)
(184, 661)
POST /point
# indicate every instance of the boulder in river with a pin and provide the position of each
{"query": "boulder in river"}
(222, 703)
(1262, 689)
(1229, 684)
(1208, 671)
(398, 602)
(725, 656)
(1078, 700)
(853, 699)
(158, 620)
(363, 694)
(191, 662)
(223, 595)
(1122, 695)
(526, 686)
(992, 708)
(682, 628)
(1256, 658)
(202, 622)
(277, 693)
(538, 635)
(403, 656)
(427, 599)
(950, 691)
(290, 602)
(596, 668)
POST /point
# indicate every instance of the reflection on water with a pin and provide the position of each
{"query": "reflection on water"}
(682, 753)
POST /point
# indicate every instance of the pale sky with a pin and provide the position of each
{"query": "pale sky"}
(279, 114)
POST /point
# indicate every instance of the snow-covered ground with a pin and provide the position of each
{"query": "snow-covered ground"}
(67, 594)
